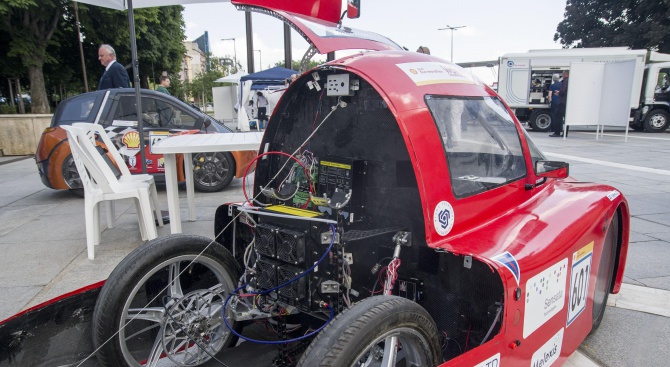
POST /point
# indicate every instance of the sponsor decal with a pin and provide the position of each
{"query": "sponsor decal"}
(132, 161)
(545, 296)
(491, 362)
(549, 352)
(149, 163)
(155, 137)
(507, 260)
(579, 281)
(161, 162)
(613, 195)
(131, 140)
(443, 218)
(424, 73)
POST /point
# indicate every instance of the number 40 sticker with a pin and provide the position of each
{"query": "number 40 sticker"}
(579, 281)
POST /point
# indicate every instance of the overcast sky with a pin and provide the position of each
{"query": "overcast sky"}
(493, 28)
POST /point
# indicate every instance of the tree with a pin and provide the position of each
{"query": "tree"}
(601, 23)
(159, 31)
(31, 26)
(201, 85)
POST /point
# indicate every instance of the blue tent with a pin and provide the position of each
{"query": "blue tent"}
(273, 76)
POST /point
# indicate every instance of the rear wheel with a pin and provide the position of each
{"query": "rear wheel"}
(377, 331)
(163, 302)
(540, 120)
(213, 171)
(656, 121)
(71, 176)
(605, 272)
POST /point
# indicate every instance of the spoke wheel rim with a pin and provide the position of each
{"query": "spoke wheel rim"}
(210, 169)
(382, 353)
(225, 285)
(70, 173)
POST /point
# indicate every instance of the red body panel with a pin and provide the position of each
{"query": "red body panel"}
(539, 225)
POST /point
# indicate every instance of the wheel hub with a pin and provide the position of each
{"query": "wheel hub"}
(657, 121)
(189, 327)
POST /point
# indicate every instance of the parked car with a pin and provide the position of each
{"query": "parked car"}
(115, 109)
(400, 215)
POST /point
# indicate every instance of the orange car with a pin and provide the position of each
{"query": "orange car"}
(162, 115)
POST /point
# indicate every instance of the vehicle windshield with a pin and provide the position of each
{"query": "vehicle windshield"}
(480, 140)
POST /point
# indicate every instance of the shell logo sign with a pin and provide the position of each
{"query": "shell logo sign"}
(131, 140)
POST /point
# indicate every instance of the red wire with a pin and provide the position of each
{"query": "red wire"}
(246, 171)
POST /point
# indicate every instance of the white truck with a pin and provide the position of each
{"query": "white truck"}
(524, 80)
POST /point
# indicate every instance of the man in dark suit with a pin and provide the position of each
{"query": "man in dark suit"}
(115, 75)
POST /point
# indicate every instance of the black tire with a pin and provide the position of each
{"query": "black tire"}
(213, 171)
(540, 120)
(656, 121)
(358, 332)
(142, 280)
(605, 272)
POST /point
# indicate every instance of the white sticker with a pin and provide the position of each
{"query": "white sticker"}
(124, 123)
(613, 195)
(443, 218)
(155, 137)
(549, 352)
(424, 73)
(579, 281)
(491, 362)
(545, 296)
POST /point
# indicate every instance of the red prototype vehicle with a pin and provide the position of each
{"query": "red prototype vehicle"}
(400, 215)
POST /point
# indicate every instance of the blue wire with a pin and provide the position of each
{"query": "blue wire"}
(332, 312)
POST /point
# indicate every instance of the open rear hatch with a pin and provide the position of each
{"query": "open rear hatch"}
(319, 25)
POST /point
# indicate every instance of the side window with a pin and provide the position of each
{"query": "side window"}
(125, 113)
(481, 142)
(156, 113)
(535, 153)
(173, 117)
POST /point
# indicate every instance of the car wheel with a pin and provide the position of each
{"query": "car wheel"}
(213, 171)
(165, 301)
(377, 331)
(540, 120)
(71, 176)
(605, 272)
(656, 121)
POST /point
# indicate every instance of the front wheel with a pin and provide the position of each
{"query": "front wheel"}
(164, 301)
(213, 171)
(656, 121)
(377, 331)
(540, 120)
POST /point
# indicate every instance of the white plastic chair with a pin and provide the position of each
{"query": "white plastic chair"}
(101, 184)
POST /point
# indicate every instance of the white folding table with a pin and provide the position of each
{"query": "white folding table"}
(187, 145)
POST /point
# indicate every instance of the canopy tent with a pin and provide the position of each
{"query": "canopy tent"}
(269, 80)
(232, 78)
(273, 76)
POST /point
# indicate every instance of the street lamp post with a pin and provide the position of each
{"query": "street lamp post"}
(234, 49)
(452, 37)
(260, 61)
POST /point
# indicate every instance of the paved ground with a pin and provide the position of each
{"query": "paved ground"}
(43, 242)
